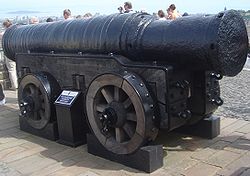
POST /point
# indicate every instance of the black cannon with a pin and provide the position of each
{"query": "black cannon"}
(137, 74)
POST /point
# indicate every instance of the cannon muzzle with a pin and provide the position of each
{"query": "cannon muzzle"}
(200, 42)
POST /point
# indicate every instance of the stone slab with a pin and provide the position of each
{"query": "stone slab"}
(147, 159)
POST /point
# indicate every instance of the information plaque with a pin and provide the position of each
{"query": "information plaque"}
(67, 97)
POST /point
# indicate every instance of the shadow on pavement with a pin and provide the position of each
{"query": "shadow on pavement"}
(243, 171)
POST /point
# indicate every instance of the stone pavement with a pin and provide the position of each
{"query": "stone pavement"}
(25, 154)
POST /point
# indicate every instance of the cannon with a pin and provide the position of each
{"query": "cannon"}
(137, 74)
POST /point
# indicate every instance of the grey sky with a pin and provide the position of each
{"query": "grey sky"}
(55, 7)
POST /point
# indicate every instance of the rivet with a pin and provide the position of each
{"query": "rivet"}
(147, 95)
(151, 106)
(133, 76)
(141, 84)
(79, 53)
(153, 117)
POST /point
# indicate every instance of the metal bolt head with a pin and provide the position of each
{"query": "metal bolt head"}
(147, 95)
(133, 76)
(101, 118)
(105, 116)
(151, 106)
(153, 129)
(141, 84)
(184, 115)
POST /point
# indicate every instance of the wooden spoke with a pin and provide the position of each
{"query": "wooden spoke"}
(39, 92)
(129, 129)
(41, 97)
(127, 103)
(41, 113)
(107, 95)
(35, 115)
(32, 89)
(116, 93)
(43, 105)
(131, 116)
(100, 107)
(119, 135)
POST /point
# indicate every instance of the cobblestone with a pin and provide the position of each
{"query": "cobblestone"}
(236, 95)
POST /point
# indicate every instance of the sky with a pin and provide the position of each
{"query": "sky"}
(80, 7)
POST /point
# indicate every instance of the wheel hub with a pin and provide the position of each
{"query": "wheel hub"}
(27, 105)
(113, 116)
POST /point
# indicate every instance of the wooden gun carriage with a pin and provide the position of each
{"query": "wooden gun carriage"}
(137, 74)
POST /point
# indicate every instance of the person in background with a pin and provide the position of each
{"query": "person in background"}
(7, 23)
(161, 15)
(128, 7)
(143, 10)
(11, 65)
(34, 20)
(87, 15)
(49, 20)
(67, 14)
(2, 97)
(78, 16)
(172, 12)
(120, 9)
(169, 14)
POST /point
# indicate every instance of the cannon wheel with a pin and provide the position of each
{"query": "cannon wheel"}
(36, 94)
(120, 112)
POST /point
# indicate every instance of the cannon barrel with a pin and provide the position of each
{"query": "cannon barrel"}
(200, 42)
